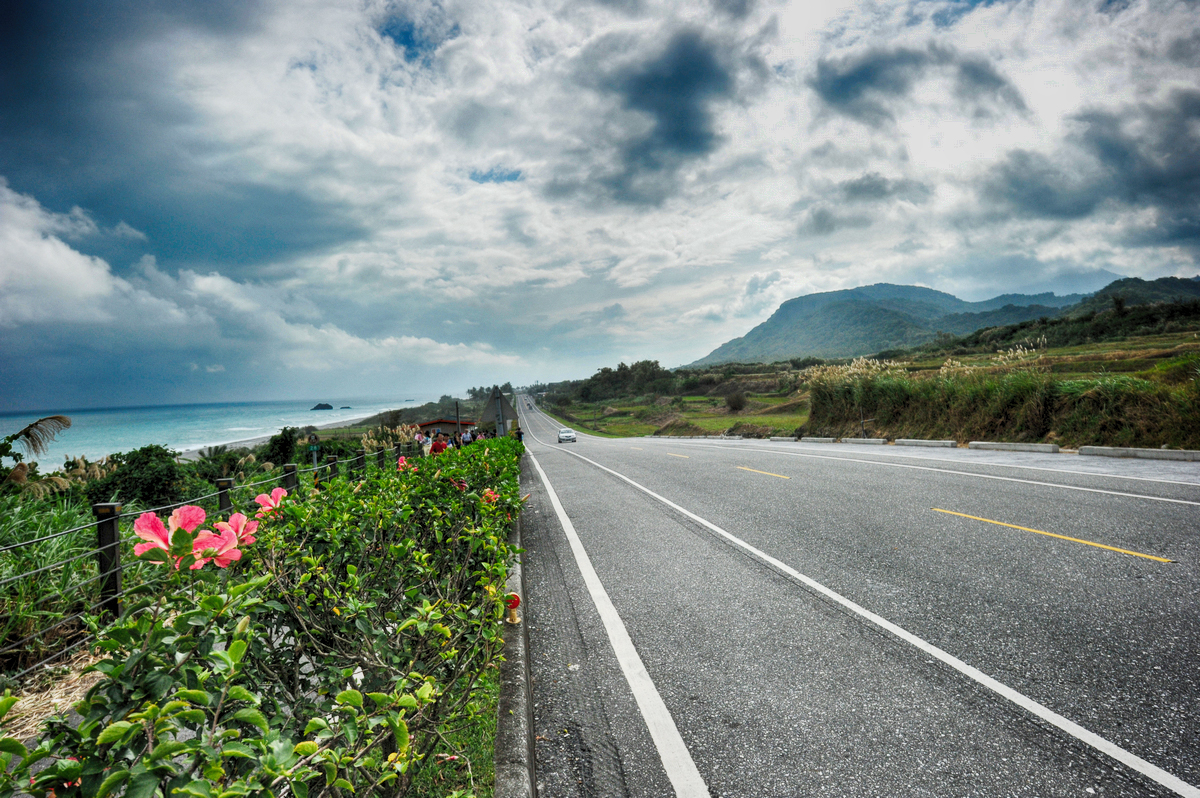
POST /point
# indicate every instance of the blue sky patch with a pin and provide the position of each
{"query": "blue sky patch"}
(497, 175)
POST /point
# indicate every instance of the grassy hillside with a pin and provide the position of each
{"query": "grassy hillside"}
(1123, 379)
(859, 321)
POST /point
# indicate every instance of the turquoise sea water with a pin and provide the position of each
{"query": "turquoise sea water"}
(95, 433)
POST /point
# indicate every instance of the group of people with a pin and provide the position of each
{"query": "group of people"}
(440, 442)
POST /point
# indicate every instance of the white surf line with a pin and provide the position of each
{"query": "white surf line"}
(1132, 761)
(950, 471)
(676, 759)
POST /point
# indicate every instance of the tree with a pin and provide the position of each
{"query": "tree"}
(736, 402)
(34, 438)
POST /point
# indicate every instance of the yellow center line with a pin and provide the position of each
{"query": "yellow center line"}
(768, 473)
(684, 456)
(1052, 535)
(636, 448)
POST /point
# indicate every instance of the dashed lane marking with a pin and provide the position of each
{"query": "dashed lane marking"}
(677, 761)
(1053, 535)
(768, 473)
(684, 456)
(973, 474)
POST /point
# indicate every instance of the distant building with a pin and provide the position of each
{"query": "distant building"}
(446, 425)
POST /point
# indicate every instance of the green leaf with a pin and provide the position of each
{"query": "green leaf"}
(212, 603)
(306, 748)
(114, 732)
(239, 693)
(240, 750)
(380, 699)
(253, 717)
(7, 703)
(407, 700)
(425, 692)
(110, 783)
(299, 789)
(144, 785)
(221, 661)
(201, 789)
(400, 730)
(314, 725)
(196, 697)
(167, 749)
(237, 650)
(9, 745)
(352, 697)
(192, 716)
(343, 785)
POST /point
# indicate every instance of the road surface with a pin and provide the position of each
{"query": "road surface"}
(749, 618)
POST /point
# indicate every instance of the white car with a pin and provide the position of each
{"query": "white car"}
(566, 435)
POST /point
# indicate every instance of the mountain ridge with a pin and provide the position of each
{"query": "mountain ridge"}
(869, 319)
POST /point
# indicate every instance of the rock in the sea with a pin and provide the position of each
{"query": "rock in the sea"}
(346, 407)
(323, 406)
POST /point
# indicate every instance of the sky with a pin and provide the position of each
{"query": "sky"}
(243, 200)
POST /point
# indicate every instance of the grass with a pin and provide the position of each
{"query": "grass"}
(473, 745)
(690, 415)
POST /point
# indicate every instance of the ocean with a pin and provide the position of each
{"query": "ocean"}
(95, 433)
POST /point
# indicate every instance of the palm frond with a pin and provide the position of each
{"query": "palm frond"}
(37, 436)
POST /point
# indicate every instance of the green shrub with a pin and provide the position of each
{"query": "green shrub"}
(335, 655)
(149, 476)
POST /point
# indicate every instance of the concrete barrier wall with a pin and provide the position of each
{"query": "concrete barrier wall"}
(920, 442)
(1051, 448)
(873, 441)
(1145, 454)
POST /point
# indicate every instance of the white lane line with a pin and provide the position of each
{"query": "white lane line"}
(1173, 783)
(952, 471)
(676, 760)
(1012, 465)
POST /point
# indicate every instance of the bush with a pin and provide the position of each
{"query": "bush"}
(736, 401)
(331, 655)
(148, 476)
(281, 448)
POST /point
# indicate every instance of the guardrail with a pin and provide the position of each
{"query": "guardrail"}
(107, 551)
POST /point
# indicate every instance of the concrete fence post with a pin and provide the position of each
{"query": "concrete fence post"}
(360, 462)
(331, 462)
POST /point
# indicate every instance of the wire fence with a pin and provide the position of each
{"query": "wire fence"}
(74, 604)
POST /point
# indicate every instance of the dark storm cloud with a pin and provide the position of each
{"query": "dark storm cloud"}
(1147, 156)
(823, 221)
(89, 120)
(866, 86)
(1185, 50)
(738, 9)
(874, 187)
(673, 92)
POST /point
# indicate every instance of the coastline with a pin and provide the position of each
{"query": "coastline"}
(194, 454)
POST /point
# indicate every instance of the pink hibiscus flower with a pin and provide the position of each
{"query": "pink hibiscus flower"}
(220, 548)
(403, 465)
(490, 496)
(187, 517)
(241, 528)
(269, 504)
(149, 527)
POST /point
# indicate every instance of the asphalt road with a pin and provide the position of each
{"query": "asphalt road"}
(837, 620)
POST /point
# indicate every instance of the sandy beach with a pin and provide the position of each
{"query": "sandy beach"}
(194, 454)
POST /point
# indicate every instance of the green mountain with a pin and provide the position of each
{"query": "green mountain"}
(872, 318)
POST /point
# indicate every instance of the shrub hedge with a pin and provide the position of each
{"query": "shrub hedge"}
(330, 659)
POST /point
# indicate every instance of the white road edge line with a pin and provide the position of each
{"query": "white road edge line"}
(1132, 761)
(676, 759)
(947, 471)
